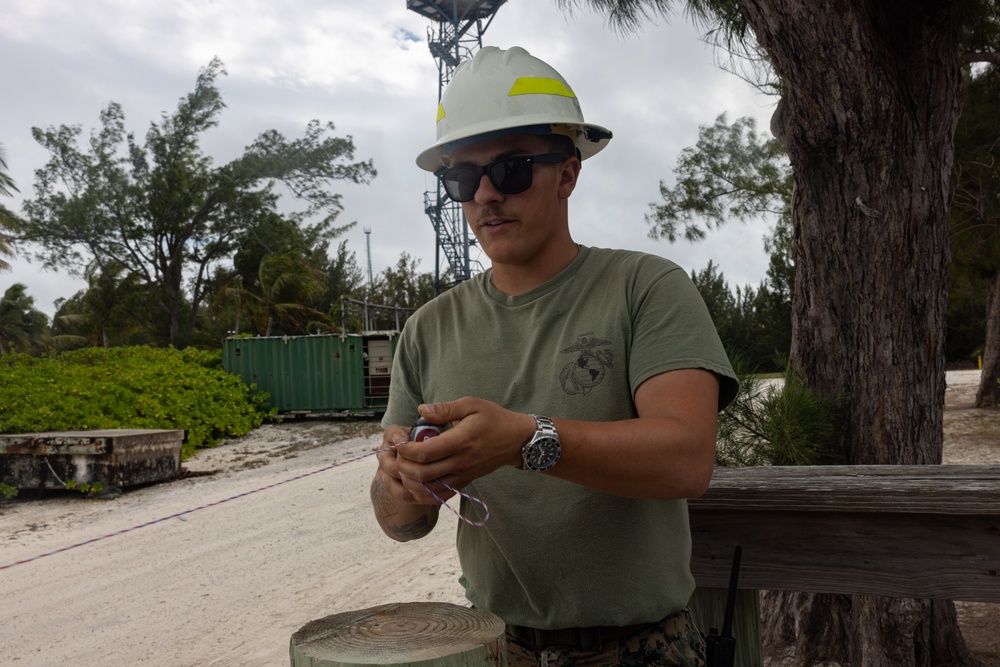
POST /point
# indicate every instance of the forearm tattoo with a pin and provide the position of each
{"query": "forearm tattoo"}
(385, 510)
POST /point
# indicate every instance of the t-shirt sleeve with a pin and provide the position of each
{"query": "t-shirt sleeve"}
(404, 388)
(673, 330)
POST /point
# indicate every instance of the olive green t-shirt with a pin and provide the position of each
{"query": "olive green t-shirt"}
(556, 554)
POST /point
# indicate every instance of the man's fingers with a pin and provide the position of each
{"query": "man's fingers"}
(450, 411)
(394, 435)
(433, 492)
(421, 464)
(435, 413)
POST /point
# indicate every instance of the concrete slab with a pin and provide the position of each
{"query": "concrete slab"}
(113, 458)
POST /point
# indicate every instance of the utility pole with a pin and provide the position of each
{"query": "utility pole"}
(368, 248)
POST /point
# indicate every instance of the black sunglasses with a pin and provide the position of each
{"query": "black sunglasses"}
(509, 175)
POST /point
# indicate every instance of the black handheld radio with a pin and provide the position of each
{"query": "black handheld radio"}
(720, 649)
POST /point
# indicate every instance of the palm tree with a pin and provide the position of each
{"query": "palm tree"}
(106, 306)
(22, 328)
(288, 289)
(7, 220)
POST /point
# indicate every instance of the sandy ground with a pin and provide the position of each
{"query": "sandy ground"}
(973, 436)
(228, 584)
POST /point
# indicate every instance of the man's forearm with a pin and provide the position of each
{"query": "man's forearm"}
(401, 521)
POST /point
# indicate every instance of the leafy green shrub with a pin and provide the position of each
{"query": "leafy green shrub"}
(776, 424)
(128, 387)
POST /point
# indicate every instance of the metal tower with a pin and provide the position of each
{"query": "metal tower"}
(455, 36)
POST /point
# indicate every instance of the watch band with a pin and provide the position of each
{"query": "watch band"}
(544, 427)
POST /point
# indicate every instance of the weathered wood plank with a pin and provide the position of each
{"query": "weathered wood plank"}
(899, 555)
(901, 531)
(944, 489)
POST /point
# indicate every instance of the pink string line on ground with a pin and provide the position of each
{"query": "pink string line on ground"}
(263, 488)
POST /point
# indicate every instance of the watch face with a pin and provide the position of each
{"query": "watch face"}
(543, 453)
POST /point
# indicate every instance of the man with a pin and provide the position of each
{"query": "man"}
(582, 386)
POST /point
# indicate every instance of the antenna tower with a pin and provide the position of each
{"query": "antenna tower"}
(368, 248)
(454, 37)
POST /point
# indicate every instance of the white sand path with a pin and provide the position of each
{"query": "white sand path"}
(226, 585)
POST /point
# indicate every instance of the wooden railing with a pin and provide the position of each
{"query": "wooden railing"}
(901, 531)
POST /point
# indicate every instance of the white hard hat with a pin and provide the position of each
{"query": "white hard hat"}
(508, 92)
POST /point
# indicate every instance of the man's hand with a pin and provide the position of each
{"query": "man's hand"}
(396, 510)
(484, 437)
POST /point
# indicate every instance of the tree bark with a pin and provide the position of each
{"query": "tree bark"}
(871, 101)
(988, 394)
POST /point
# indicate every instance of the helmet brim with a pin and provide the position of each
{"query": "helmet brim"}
(591, 140)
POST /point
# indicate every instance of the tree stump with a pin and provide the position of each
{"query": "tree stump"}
(407, 634)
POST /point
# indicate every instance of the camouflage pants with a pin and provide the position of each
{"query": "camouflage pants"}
(673, 642)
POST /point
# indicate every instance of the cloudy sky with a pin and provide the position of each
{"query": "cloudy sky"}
(364, 65)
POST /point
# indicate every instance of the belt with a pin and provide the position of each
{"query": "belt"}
(582, 638)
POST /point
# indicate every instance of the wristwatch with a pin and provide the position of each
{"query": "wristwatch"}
(542, 451)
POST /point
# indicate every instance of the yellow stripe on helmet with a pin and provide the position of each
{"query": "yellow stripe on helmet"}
(440, 112)
(536, 85)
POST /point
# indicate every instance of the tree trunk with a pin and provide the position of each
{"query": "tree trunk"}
(870, 104)
(988, 395)
(171, 281)
(174, 322)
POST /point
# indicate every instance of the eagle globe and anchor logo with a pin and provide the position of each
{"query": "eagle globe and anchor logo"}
(588, 369)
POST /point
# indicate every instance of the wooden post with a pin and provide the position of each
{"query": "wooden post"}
(407, 634)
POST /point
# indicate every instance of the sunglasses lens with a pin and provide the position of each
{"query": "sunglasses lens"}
(461, 183)
(511, 176)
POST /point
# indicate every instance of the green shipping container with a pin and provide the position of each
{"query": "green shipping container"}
(326, 374)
